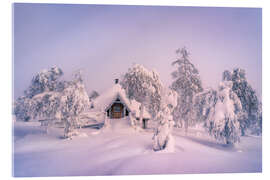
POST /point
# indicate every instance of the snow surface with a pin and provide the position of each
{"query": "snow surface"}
(120, 150)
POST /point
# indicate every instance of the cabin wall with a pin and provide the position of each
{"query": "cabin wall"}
(117, 110)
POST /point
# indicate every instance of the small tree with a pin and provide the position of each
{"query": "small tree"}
(145, 87)
(222, 121)
(74, 101)
(163, 139)
(187, 83)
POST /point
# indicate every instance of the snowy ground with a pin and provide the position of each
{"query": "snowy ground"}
(123, 151)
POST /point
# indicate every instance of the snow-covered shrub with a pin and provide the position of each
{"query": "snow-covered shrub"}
(145, 87)
(163, 139)
(222, 122)
(249, 101)
(186, 82)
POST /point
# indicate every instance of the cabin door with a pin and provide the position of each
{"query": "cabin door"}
(117, 110)
(144, 124)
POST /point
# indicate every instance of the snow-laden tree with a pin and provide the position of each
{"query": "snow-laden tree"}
(65, 102)
(22, 108)
(45, 107)
(226, 76)
(37, 98)
(74, 101)
(203, 103)
(163, 139)
(187, 83)
(93, 95)
(222, 121)
(145, 87)
(46, 80)
(249, 101)
(257, 128)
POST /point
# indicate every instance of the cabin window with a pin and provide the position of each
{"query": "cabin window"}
(117, 99)
(117, 109)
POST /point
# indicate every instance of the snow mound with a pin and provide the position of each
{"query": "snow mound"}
(120, 125)
(122, 152)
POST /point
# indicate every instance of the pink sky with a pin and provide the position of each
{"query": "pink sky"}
(104, 41)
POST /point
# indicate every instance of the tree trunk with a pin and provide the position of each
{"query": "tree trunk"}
(47, 127)
(68, 129)
(141, 114)
(107, 122)
(186, 126)
(179, 123)
(132, 120)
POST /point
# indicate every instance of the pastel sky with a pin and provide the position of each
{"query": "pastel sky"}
(104, 41)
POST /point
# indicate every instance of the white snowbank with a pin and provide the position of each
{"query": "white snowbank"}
(123, 151)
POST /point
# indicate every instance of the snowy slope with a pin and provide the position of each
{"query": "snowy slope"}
(123, 151)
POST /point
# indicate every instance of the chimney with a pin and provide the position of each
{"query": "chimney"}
(116, 81)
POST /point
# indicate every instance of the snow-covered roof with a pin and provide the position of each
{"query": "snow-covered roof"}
(106, 99)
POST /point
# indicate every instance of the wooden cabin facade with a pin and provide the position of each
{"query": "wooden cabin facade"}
(117, 109)
(117, 105)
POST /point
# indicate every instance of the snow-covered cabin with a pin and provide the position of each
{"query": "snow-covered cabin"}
(115, 103)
